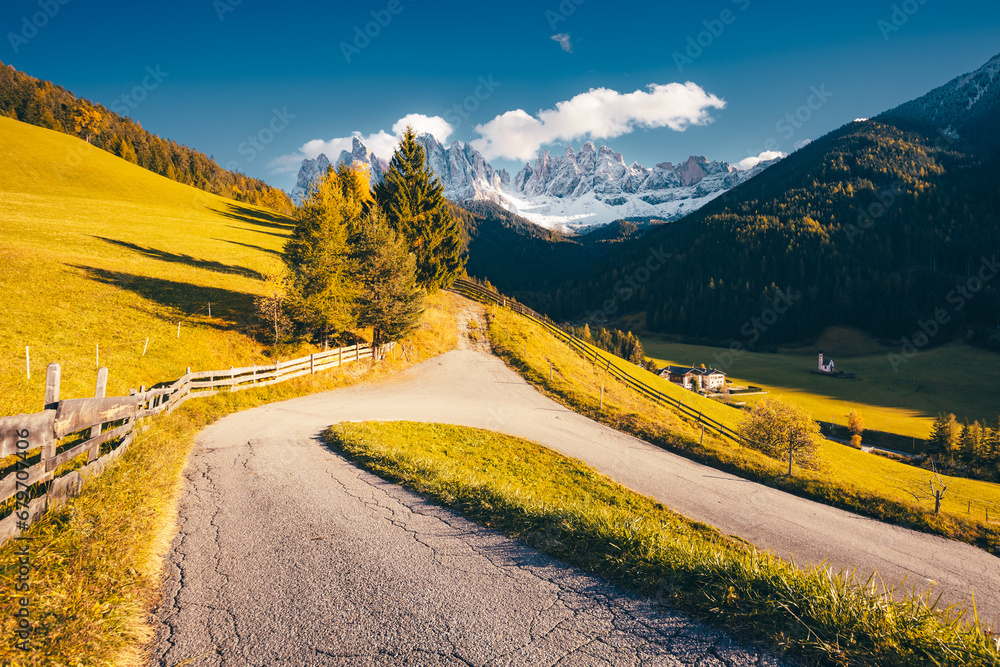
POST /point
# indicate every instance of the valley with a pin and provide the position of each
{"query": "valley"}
(956, 378)
(496, 480)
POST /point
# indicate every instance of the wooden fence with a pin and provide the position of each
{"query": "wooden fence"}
(604, 359)
(39, 443)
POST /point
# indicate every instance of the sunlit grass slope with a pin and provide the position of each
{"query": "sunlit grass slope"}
(562, 507)
(97, 561)
(97, 251)
(954, 378)
(843, 476)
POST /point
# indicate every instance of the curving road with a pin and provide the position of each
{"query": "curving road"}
(287, 554)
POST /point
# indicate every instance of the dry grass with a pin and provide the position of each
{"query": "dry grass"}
(96, 562)
(97, 251)
(845, 477)
(566, 509)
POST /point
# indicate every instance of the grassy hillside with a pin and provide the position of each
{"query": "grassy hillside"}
(97, 251)
(44, 104)
(955, 378)
(843, 477)
(562, 507)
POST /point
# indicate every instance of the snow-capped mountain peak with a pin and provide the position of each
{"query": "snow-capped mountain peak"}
(577, 189)
(960, 104)
(594, 186)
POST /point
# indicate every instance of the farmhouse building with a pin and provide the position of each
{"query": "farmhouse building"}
(704, 379)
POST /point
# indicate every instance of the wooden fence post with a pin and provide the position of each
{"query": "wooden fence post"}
(312, 364)
(52, 377)
(340, 356)
(100, 391)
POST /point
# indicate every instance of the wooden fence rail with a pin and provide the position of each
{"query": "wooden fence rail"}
(34, 446)
(606, 360)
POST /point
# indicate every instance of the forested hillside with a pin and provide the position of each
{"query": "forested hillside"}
(872, 226)
(31, 100)
(522, 259)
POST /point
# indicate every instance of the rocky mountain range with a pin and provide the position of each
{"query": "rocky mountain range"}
(313, 169)
(572, 191)
(595, 186)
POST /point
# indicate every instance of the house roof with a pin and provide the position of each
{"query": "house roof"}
(688, 370)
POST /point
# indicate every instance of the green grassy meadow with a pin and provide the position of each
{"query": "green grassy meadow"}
(564, 508)
(95, 251)
(842, 477)
(954, 378)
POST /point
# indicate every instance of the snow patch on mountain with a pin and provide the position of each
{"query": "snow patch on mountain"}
(573, 191)
(956, 104)
(595, 186)
(312, 170)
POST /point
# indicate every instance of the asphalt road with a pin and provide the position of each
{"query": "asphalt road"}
(287, 554)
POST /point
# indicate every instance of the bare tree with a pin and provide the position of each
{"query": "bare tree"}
(272, 307)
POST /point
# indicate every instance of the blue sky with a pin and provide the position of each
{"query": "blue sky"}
(252, 82)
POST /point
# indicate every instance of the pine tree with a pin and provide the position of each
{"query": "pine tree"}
(414, 204)
(972, 443)
(321, 294)
(124, 150)
(389, 299)
(991, 446)
(966, 442)
(944, 436)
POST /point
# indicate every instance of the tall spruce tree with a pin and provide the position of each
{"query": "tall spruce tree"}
(318, 256)
(944, 436)
(414, 204)
(389, 299)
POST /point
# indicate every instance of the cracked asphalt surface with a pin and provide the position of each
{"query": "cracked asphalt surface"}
(288, 555)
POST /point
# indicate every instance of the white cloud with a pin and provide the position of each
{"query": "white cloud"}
(802, 142)
(751, 162)
(436, 126)
(564, 41)
(382, 143)
(599, 113)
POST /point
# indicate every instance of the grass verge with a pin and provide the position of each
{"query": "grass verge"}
(95, 563)
(844, 477)
(566, 509)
